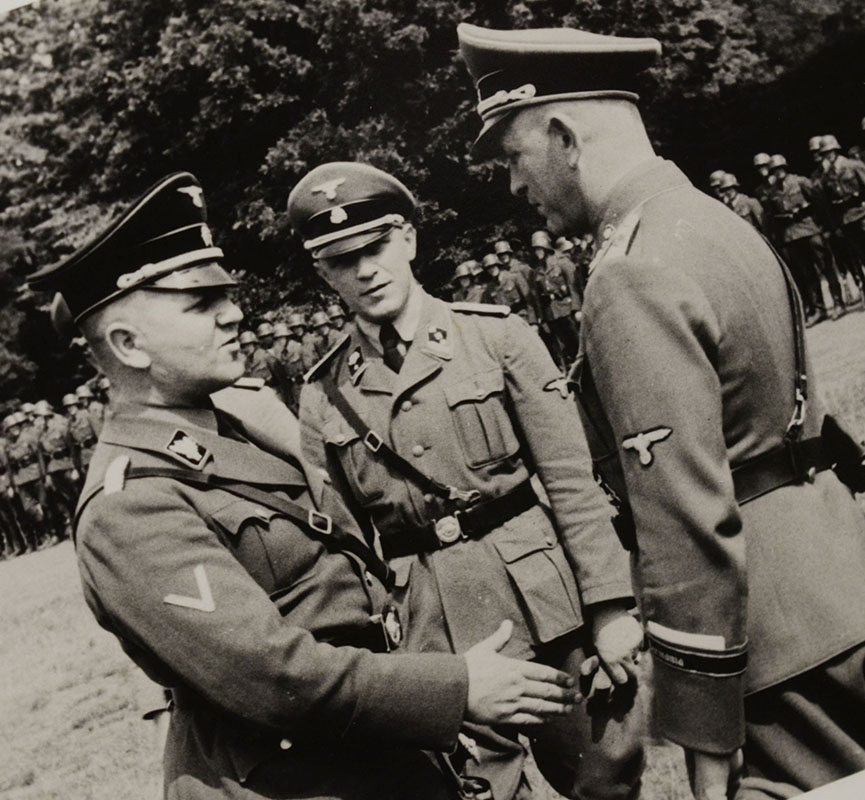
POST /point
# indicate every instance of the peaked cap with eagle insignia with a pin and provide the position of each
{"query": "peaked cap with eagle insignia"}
(162, 242)
(343, 206)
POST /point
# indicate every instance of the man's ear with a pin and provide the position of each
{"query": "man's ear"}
(410, 235)
(125, 342)
(564, 136)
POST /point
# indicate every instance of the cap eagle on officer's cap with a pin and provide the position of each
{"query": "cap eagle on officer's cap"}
(343, 206)
(515, 69)
(161, 242)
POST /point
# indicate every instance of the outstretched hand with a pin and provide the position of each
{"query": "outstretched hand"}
(508, 691)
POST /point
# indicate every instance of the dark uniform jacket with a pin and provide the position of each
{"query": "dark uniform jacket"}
(55, 442)
(478, 404)
(792, 208)
(556, 283)
(844, 183)
(748, 209)
(688, 370)
(237, 609)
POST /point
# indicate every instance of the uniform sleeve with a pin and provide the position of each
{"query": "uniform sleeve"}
(162, 581)
(652, 346)
(549, 423)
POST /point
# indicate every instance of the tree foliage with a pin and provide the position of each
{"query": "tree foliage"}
(101, 97)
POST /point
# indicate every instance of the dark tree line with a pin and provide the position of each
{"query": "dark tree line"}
(101, 97)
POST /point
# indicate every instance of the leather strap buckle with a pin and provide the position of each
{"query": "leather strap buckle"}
(448, 529)
(372, 441)
(320, 523)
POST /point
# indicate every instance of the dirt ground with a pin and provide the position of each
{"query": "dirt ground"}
(71, 702)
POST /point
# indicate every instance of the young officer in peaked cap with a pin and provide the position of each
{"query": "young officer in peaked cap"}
(432, 419)
(703, 420)
(201, 546)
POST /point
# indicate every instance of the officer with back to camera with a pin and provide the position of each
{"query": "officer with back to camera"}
(703, 420)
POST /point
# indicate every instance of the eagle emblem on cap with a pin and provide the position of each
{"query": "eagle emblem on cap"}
(195, 193)
(184, 447)
(328, 188)
(642, 443)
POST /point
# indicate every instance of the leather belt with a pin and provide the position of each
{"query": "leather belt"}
(781, 466)
(471, 523)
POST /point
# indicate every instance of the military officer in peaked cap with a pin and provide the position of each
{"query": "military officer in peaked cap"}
(749, 550)
(207, 557)
(432, 419)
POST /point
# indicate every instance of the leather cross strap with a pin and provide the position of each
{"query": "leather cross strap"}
(377, 446)
(314, 523)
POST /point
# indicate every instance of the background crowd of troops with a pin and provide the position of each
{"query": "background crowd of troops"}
(44, 456)
(545, 289)
(817, 221)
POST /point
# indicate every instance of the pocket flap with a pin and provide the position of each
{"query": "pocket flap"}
(513, 549)
(474, 388)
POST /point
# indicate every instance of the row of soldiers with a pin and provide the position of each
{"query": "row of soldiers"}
(546, 290)
(816, 221)
(44, 456)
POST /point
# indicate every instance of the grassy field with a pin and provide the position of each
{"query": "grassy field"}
(70, 701)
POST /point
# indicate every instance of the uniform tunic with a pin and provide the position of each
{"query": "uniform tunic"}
(238, 610)
(478, 404)
(679, 349)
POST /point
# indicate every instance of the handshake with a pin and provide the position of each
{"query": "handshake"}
(508, 691)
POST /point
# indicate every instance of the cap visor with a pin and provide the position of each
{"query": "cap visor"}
(200, 276)
(340, 247)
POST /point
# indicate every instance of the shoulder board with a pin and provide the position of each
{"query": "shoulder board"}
(619, 242)
(487, 309)
(249, 383)
(325, 359)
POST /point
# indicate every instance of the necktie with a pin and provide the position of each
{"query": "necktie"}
(393, 348)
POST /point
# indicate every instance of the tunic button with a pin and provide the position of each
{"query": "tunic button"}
(285, 744)
(406, 405)
(417, 450)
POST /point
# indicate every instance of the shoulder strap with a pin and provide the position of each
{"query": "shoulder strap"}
(379, 449)
(314, 523)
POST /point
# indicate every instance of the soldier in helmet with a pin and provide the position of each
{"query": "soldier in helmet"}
(555, 281)
(462, 281)
(336, 324)
(14, 543)
(844, 185)
(279, 379)
(82, 433)
(506, 287)
(94, 408)
(715, 179)
(792, 208)
(103, 386)
(25, 473)
(315, 340)
(248, 340)
(478, 283)
(746, 207)
(61, 476)
(264, 334)
(517, 266)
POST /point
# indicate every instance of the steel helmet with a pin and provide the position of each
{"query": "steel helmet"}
(27, 409)
(475, 268)
(70, 400)
(280, 331)
(777, 161)
(542, 239)
(103, 383)
(761, 160)
(296, 320)
(335, 311)
(729, 181)
(318, 319)
(463, 270)
(43, 408)
(503, 247)
(264, 330)
(829, 144)
(814, 143)
(491, 260)
(84, 391)
(248, 337)
(716, 177)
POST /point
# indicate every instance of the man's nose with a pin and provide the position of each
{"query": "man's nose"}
(229, 313)
(518, 185)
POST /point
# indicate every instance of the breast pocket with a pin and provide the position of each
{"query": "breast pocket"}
(477, 406)
(363, 470)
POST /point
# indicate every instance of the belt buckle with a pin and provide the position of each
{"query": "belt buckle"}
(448, 529)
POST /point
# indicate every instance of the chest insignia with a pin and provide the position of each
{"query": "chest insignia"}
(641, 443)
(561, 385)
(437, 342)
(183, 447)
(204, 601)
